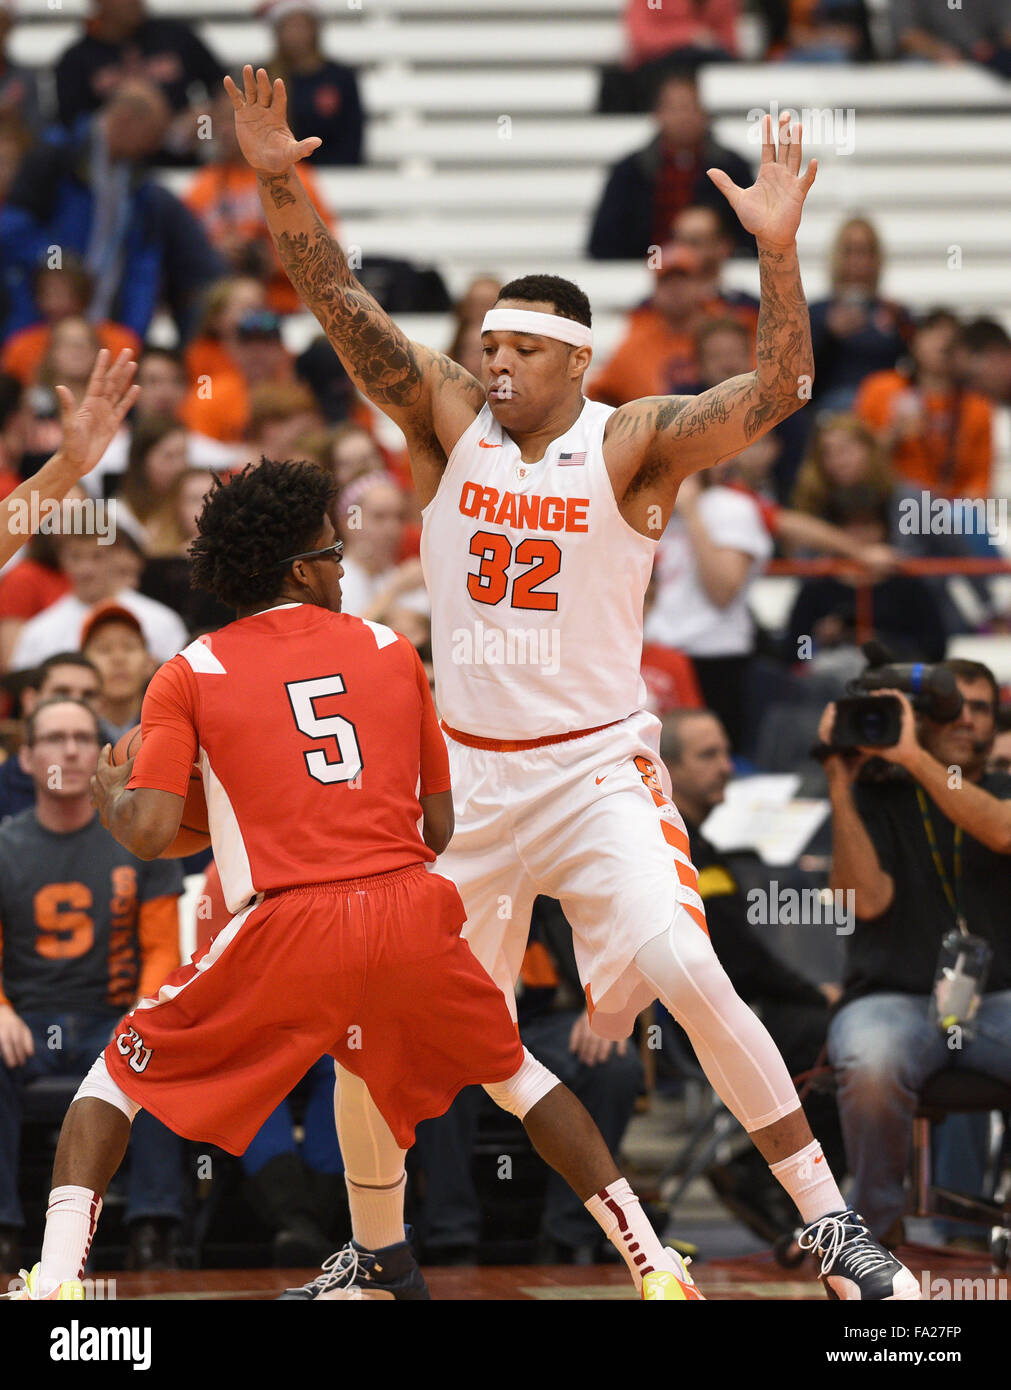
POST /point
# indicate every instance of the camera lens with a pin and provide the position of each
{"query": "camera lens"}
(872, 725)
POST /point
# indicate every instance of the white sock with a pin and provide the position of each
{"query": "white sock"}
(808, 1179)
(377, 1214)
(617, 1212)
(70, 1224)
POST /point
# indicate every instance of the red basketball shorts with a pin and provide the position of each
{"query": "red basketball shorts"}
(373, 971)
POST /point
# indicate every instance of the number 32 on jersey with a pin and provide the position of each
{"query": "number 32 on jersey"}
(491, 582)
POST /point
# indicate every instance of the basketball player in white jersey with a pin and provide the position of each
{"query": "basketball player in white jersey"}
(88, 429)
(541, 515)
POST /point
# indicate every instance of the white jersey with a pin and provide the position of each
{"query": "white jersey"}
(537, 585)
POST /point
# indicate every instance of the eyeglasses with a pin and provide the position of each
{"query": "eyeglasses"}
(330, 552)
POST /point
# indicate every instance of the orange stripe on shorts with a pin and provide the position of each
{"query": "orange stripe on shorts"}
(697, 916)
(677, 838)
(687, 875)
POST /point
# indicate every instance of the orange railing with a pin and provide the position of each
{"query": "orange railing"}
(907, 565)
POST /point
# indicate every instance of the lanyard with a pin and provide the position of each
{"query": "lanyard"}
(954, 897)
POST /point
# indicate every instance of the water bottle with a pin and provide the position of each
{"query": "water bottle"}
(958, 985)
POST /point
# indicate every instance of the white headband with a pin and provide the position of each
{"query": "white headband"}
(547, 325)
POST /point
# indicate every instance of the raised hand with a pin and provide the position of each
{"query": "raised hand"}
(88, 428)
(770, 209)
(261, 123)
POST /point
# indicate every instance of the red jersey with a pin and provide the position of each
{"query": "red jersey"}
(315, 734)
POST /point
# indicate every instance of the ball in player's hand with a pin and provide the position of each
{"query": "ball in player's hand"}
(193, 830)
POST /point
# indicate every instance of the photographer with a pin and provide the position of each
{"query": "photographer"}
(926, 851)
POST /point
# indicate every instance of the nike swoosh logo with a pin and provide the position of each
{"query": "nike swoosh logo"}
(820, 1159)
(598, 780)
(483, 444)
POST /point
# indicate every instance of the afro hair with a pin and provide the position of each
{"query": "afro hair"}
(248, 526)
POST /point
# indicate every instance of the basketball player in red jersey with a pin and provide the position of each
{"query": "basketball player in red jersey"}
(88, 429)
(541, 514)
(314, 731)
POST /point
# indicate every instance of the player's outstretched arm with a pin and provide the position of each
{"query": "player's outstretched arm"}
(88, 429)
(682, 434)
(425, 392)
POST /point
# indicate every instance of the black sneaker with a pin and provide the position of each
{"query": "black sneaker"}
(356, 1273)
(853, 1264)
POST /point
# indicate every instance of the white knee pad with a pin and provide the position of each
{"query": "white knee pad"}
(520, 1093)
(99, 1083)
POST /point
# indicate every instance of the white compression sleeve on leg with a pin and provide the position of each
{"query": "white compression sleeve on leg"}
(521, 1092)
(99, 1084)
(373, 1164)
(372, 1157)
(733, 1046)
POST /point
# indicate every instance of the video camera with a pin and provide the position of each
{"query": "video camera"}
(867, 720)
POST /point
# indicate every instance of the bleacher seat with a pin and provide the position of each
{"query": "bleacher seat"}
(877, 87)
(367, 37)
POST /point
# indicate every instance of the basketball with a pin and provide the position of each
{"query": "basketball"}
(193, 830)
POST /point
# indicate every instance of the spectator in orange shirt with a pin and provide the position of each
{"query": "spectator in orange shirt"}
(61, 293)
(938, 435)
(702, 229)
(69, 360)
(657, 355)
(218, 400)
(224, 197)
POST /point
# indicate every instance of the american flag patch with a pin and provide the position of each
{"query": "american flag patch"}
(572, 460)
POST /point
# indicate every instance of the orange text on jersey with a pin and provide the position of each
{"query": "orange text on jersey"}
(525, 511)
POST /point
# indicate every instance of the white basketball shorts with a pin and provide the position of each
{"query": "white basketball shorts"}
(589, 822)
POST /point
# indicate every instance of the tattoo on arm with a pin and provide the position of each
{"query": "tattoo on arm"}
(388, 367)
(277, 186)
(738, 410)
(783, 344)
(376, 351)
(381, 359)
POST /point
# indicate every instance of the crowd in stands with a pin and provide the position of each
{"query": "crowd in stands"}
(688, 33)
(902, 406)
